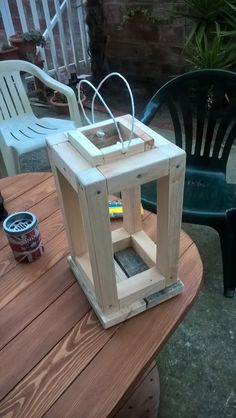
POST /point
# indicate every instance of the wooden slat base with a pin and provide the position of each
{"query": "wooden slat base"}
(144, 401)
(126, 312)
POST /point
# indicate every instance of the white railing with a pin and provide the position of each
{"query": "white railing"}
(62, 23)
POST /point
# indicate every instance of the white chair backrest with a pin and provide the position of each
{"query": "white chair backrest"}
(13, 98)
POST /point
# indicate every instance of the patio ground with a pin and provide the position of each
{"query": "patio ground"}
(198, 365)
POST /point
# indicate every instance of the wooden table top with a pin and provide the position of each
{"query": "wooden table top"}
(56, 360)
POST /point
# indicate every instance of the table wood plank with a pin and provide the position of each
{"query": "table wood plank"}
(23, 309)
(31, 197)
(12, 187)
(123, 363)
(48, 380)
(23, 275)
(38, 338)
(144, 401)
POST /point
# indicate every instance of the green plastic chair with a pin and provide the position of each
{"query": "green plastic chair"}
(202, 107)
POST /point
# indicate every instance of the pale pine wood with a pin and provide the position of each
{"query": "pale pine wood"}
(85, 147)
(121, 239)
(170, 201)
(145, 247)
(108, 128)
(115, 152)
(115, 316)
(89, 218)
(159, 141)
(139, 169)
(131, 198)
(139, 286)
(85, 264)
(97, 155)
(69, 365)
(98, 151)
(57, 139)
(149, 226)
(71, 209)
(93, 196)
(71, 163)
(126, 124)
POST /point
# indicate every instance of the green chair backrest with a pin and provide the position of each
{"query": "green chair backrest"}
(202, 106)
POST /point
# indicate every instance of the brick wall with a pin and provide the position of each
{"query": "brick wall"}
(147, 52)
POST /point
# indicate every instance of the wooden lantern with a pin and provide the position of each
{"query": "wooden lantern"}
(88, 167)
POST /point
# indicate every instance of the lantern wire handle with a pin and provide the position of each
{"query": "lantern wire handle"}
(96, 93)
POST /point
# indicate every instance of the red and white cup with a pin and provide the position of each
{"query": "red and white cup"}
(24, 236)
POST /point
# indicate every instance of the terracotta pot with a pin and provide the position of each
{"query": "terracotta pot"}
(26, 50)
(62, 108)
(9, 54)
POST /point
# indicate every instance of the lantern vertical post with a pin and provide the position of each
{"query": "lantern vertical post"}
(131, 198)
(93, 195)
(170, 200)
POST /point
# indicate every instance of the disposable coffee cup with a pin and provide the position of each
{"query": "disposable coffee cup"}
(24, 236)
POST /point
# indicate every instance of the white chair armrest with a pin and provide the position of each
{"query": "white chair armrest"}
(20, 65)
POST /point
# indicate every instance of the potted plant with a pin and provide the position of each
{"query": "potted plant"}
(8, 52)
(211, 41)
(59, 101)
(27, 43)
(211, 53)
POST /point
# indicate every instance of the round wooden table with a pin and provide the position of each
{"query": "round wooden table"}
(56, 360)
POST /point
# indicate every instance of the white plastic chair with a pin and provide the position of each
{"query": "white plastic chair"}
(21, 131)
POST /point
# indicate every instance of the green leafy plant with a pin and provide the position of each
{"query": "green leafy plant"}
(210, 43)
(214, 53)
(208, 17)
(34, 36)
(232, 20)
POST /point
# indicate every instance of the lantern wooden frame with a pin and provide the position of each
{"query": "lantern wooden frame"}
(85, 175)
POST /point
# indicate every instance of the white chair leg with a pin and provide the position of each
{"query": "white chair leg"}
(11, 161)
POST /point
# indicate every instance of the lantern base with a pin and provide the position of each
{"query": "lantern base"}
(126, 312)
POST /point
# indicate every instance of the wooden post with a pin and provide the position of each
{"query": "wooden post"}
(170, 199)
(72, 215)
(94, 197)
(131, 198)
